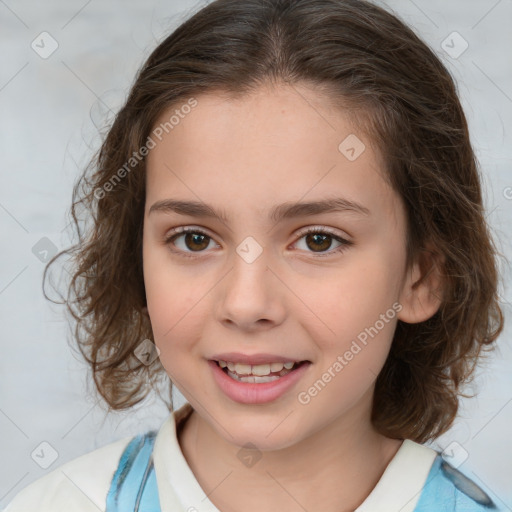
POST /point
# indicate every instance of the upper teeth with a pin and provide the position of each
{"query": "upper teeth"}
(256, 369)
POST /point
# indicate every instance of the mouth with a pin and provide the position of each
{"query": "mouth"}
(258, 384)
(259, 373)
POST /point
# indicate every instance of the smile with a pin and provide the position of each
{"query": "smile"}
(257, 373)
(256, 383)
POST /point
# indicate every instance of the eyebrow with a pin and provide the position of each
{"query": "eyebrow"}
(278, 213)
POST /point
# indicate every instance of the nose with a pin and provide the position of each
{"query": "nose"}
(251, 296)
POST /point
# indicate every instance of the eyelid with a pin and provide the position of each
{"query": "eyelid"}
(300, 232)
(187, 229)
(323, 229)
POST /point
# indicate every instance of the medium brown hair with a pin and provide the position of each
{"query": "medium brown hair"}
(367, 61)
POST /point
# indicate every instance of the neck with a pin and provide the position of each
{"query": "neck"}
(341, 463)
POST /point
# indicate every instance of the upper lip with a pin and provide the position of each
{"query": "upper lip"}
(253, 359)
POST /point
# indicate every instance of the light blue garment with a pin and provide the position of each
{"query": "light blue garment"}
(447, 489)
(134, 487)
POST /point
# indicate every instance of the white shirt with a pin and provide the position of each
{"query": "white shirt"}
(82, 484)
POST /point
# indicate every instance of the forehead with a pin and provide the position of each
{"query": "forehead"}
(285, 143)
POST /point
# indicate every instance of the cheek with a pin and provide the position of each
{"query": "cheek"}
(353, 295)
(172, 300)
(175, 312)
(353, 318)
(353, 328)
(176, 321)
(178, 304)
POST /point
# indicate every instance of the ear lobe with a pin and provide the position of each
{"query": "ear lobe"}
(422, 292)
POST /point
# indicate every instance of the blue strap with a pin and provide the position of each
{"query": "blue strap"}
(448, 490)
(134, 485)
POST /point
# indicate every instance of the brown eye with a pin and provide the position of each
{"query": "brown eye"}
(196, 241)
(188, 241)
(319, 240)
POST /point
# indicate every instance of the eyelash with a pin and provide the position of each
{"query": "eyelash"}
(321, 230)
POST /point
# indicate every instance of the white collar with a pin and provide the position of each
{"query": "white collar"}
(178, 489)
(399, 487)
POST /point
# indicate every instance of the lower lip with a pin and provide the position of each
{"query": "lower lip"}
(251, 393)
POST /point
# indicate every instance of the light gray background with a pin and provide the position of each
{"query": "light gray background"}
(49, 108)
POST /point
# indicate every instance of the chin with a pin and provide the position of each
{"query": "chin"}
(265, 435)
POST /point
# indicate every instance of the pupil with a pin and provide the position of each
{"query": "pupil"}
(195, 237)
(317, 238)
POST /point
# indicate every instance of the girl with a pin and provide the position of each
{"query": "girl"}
(288, 206)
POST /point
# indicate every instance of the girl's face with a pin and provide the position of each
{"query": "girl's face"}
(255, 282)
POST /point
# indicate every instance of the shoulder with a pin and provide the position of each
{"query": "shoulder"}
(448, 489)
(80, 485)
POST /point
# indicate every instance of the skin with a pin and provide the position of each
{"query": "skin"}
(244, 156)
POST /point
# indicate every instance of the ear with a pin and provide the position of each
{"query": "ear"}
(422, 291)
